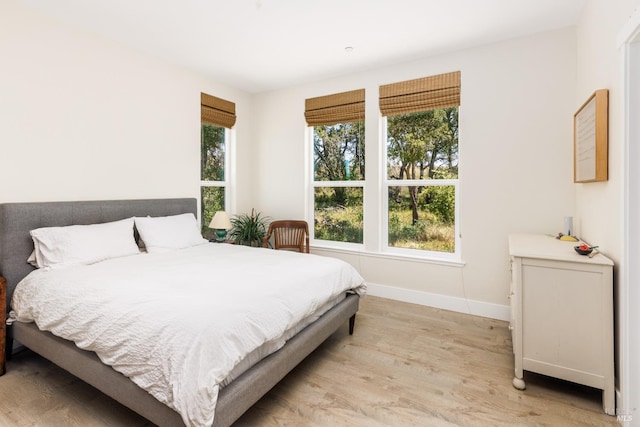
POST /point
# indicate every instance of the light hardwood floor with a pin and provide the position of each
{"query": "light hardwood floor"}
(406, 365)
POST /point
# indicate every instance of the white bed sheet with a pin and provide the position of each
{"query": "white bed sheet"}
(273, 345)
(179, 323)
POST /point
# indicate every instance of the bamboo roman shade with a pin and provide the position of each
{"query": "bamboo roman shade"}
(337, 108)
(217, 111)
(428, 93)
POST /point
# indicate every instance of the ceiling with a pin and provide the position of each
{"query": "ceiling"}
(261, 45)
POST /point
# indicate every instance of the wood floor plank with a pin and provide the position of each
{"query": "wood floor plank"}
(413, 365)
(406, 365)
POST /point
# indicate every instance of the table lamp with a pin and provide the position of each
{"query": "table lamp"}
(220, 223)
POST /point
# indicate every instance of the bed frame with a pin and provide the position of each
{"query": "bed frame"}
(17, 219)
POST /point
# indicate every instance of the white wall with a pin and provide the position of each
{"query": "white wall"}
(84, 118)
(601, 205)
(518, 100)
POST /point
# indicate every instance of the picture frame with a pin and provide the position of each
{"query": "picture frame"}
(590, 139)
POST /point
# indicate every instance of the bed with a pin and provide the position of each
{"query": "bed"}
(16, 245)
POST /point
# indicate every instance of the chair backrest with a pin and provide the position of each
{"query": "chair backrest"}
(288, 234)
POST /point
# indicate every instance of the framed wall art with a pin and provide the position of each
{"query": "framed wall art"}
(590, 139)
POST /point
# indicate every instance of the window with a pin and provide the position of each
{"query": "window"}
(217, 117)
(411, 185)
(422, 180)
(337, 193)
(212, 174)
(420, 200)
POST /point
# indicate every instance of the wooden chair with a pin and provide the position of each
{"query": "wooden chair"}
(288, 234)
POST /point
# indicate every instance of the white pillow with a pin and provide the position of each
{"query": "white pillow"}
(83, 244)
(165, 233)
(32, 259)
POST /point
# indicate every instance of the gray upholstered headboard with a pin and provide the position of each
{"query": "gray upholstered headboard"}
(17, 219)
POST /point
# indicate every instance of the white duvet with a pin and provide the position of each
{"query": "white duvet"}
(178, 323)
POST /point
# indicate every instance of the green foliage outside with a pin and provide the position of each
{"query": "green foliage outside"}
(212, 200)
(420, 146)
(340, 222)
(212, 150)
(339, 156)
(339, 152)
(434, 230)
(212, 156)
(423, 146)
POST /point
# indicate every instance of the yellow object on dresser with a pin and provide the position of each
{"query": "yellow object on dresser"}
(568, 238)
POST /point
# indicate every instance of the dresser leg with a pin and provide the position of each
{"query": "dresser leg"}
(609, 401)
(519, 383)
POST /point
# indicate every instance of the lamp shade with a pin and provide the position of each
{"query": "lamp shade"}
(220, 221)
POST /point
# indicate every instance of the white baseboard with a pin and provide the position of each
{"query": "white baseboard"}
(445, 302)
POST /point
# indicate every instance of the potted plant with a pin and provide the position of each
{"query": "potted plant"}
(247, 229)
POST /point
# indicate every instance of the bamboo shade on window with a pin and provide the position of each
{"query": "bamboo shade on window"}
(337, 108)
(428, 93)
(217, 111)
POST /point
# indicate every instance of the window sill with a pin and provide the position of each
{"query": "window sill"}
(390, 256)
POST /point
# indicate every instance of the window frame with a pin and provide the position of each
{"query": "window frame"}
(229, 172)
(455, 256)
(313, 184)
(375, 205)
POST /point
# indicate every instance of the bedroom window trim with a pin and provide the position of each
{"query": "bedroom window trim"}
(412, 96)
(221, 113)
(422, 94)
(432, 255)
(229, 138)
(334, 109)
(391, 256)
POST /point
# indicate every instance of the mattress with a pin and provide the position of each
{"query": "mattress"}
(181, 324)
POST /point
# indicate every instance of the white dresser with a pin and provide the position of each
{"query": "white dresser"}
(562, 313)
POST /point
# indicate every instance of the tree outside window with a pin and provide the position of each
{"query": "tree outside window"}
(212, 174)
(338, 180)
(422, 179)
